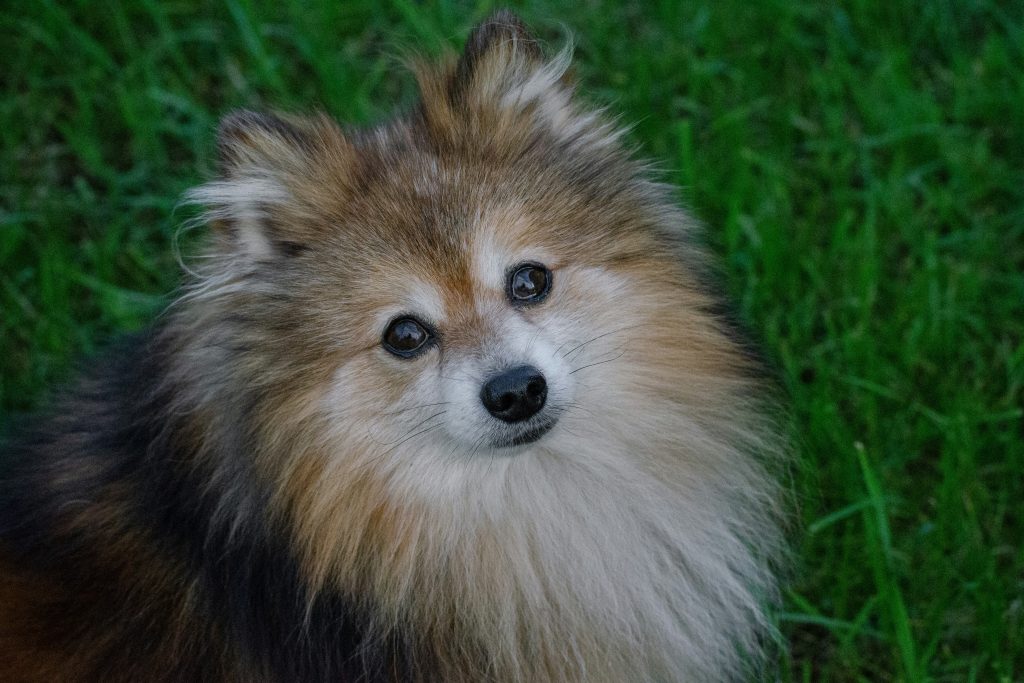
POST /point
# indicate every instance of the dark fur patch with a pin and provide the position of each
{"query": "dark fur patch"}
(108, 506)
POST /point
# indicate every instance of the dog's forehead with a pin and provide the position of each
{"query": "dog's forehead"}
(455, 230)
(444, 232)
(451, 275)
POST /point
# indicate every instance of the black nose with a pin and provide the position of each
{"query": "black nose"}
(515, 394)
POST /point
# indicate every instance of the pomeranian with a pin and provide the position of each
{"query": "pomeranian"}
(446, 399)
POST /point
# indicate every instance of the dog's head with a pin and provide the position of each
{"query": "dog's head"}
(489, 275)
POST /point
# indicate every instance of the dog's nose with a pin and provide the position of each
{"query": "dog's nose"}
(516, 394)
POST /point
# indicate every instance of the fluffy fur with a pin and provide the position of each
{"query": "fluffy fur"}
(257, 490)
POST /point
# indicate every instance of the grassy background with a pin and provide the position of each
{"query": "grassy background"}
(861, 165)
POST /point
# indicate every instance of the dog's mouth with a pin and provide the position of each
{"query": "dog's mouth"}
(524, 436)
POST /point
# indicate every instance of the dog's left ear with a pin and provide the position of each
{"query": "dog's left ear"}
(503, 65)
(501, 43)
(505, 88)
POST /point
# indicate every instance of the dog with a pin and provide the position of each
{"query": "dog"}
(446, 399)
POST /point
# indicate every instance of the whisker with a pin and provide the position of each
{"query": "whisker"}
(424, 405)
(417, 426)
(600, 336)
(562, 346)
(578, 408)
(395, 445)
(411, 436)
(478, 443)
(533, 339)
(466, 378)
(600, 362)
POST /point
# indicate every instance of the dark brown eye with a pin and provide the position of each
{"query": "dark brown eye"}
(405, 337)
(529, 283)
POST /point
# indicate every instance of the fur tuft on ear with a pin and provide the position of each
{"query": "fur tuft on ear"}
(248, 137)
(503, 89)
(503, 30)
(264, 160)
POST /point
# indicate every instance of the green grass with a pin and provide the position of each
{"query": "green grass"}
(861, 168)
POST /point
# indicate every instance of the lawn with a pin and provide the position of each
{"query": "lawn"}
(860, 167)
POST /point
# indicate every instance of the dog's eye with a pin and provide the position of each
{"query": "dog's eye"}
(405, 337)
(529, 283)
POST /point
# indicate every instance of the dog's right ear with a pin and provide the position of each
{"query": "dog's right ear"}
(247, 138)
(264, 162)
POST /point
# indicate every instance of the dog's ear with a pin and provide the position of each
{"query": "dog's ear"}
(503, 89)
(265, 161)
(251, 138)
(502, 36)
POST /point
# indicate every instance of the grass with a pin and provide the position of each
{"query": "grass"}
(861, 168)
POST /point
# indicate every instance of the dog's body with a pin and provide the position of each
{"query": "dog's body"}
(448, 401)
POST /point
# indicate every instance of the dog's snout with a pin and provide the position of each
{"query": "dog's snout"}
(515, 395)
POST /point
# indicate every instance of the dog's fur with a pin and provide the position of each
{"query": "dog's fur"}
(258, 491)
